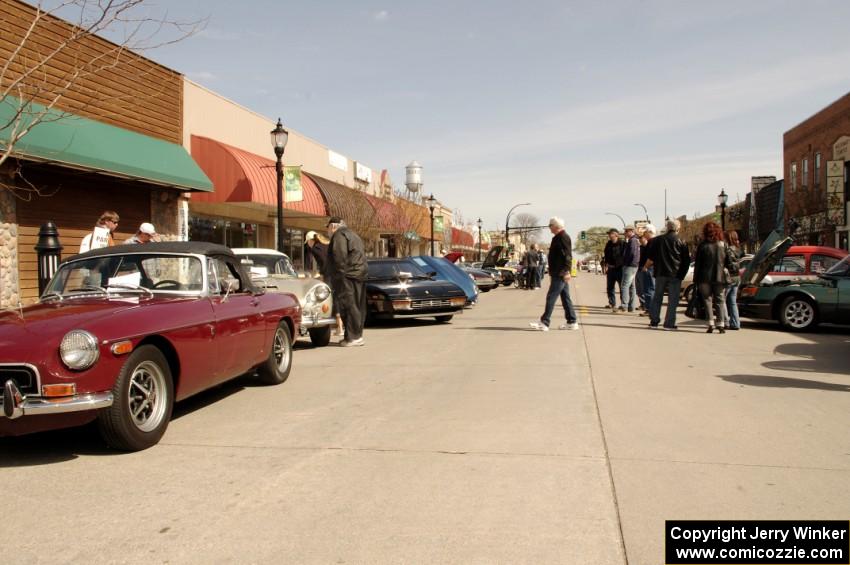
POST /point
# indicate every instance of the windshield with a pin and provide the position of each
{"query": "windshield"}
(128, 273)
(840, 269)
(393, 269)
(266, 264)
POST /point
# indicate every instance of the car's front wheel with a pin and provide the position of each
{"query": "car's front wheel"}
(143, 397)
(275, 369)
(798, 313)
(320, 336)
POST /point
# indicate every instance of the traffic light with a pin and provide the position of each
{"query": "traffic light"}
(583, 235)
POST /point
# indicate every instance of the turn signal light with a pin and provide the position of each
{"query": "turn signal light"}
(122, 347)
(54, 391)
(325, 308)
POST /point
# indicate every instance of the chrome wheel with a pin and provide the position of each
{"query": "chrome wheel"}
(799, 314)
(281, 350)
(147, 396)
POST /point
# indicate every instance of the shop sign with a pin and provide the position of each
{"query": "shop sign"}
(294, 191)
(812, 224)
(841, 149)
(438, 224)
(337, 161)
(362, 172)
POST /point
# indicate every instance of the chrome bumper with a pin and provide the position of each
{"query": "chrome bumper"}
(313, 322)
(16, 405)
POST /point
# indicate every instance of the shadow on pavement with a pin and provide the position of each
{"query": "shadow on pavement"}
(783, 382)
(57, 446)
(500, 329)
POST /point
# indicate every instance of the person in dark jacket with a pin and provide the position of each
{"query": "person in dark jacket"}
(631, 260)
(645, 280)
(347, 271)
(612, 265)
(732, 289)
(316, 253)
(532, 259)
(669, 258)
(712, 268)
(560, 265)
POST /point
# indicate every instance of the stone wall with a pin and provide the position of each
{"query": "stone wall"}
(9, 294)
(164, 214)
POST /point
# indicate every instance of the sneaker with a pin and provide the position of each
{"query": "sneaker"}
(539, 326)
(609, 306)
(671, 328)
(568, 326)
(653, 326)
(353, 343)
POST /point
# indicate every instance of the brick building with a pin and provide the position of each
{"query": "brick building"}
(816, 159)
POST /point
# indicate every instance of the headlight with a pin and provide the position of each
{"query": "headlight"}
(79, 350)
(322, 293)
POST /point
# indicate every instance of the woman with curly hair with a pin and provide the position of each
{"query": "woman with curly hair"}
(712, 267)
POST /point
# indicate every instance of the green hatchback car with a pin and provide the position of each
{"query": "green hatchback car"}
(798, 305)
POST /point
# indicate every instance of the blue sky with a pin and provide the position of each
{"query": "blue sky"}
(579, 108)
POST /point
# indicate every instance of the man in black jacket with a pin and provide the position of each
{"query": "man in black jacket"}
(669, 258)
(347, 270)
(612, 265)
(560, 265)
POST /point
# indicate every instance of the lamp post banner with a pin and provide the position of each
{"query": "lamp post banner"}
(294, 191)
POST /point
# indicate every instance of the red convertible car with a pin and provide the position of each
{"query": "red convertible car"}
(121, 333)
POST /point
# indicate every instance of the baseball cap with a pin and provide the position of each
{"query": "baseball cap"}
(147, 228)
(629, 228)
(310, 235)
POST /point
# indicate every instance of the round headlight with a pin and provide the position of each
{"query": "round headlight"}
(79, 350)
(322, 293)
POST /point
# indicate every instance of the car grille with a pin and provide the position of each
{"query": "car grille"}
(24, 378)
(430, 303)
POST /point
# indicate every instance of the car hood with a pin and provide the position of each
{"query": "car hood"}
(493, 257)
(771, 252)
(479, 273)
(415, 288)
(282, 283)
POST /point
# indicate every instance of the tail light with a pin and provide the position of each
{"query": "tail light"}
(749, 291)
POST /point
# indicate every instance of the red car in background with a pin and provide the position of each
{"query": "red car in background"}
(804, 262)
(122, 333)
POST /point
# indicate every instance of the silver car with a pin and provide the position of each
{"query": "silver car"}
(274, 271)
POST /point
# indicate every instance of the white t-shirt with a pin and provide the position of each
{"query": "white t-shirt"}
(95, 240)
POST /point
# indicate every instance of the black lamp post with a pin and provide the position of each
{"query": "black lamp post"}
(721, 199)
(279, 138)
(432, 203)
(619, 216)
(480, 223)
(645, 213)
(508, 219)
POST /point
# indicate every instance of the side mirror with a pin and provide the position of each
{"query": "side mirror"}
(432, 274)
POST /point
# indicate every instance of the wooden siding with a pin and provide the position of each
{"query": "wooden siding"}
(132, 93)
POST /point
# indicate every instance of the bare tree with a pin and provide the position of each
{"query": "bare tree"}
(50, 60)
(527, 226)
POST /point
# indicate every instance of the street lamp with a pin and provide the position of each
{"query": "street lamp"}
(619, 216)
(279, 137)
(432, 203)
(508, 219)
(645, 213)
(480, 223)
(721, 199)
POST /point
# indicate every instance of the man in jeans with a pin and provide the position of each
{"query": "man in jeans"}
(560, 264)
(631, 260)
(669, 258)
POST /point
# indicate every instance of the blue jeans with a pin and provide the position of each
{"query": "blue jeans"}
(628, 293)
(646, 284)
(673, 287)
(732, 306)
(557, 287)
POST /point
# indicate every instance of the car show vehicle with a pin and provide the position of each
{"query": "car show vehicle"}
(273, 270)
(400, 288)
(495, 261)
(446, 271)
(798, 305)
(122, 333)
(484, 280)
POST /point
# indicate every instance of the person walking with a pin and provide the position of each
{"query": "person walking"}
(145, 234)
(612, 265)
(734, 250)
(560, 265)
(631, 260)
(669, 258)
(101, 235)
(645, 278)
(712, 266)
(347, 270)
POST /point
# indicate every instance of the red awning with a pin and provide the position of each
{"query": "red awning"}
(461, 238)
(390, 218)
(240, 176)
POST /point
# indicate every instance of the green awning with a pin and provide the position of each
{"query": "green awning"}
(70, 140)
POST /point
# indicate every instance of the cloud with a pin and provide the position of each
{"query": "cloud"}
(381, 15)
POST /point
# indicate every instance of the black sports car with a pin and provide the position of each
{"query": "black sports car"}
(399, 288)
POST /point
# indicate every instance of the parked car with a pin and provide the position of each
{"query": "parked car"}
(400, 288)
(494, 260)
(273, 271)
(797, 304)
(495, 273)
(484, 280)
(122, 333)
(448, 272)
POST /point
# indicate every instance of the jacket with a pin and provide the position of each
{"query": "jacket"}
(711, 260)
(530, 259)
(318, 253)
(613, 255)
(560, 255)
(631, 252)
(346, 256)
(670, 256)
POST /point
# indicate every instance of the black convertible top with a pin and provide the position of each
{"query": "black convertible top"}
(197, 247)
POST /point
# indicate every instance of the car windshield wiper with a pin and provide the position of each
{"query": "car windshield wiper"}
(128, 286)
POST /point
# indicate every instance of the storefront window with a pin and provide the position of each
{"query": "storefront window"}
(226, 232)
(293, 246)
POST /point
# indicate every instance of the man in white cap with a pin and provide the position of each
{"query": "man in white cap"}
(145, 234)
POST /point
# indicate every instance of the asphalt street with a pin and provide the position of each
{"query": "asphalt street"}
(478, 441)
